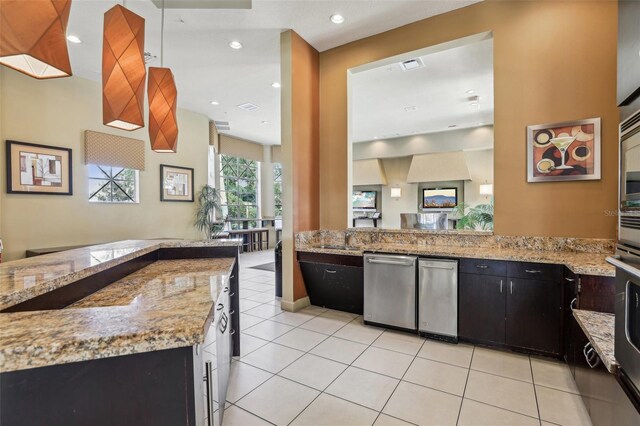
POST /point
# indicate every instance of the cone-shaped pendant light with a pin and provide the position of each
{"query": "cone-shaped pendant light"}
(163, 100)
(123, 69)
(33, 37)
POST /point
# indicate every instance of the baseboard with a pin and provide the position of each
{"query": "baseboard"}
(295, 306)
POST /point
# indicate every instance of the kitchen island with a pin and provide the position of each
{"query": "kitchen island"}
(114, 333)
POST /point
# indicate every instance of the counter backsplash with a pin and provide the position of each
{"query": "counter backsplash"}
(364, 237)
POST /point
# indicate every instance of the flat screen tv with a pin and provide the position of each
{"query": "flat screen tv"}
(439, 198)
(364, 200)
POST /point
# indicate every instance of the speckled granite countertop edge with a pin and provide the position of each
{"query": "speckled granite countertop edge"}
(599, 329)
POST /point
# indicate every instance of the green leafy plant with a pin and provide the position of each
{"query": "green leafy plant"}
(479, 217)
(207, 212)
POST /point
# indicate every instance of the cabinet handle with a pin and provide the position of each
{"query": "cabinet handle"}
(532, 271)
(232, 332)
(511, 287)
(569, 279)
(208, 380)
(232, 294)
(500, 286)
(330, 271)
(482, 266)
(572, 305)
(590, 355)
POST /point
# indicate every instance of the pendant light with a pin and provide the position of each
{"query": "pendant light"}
(33, 37)
(123, 69)
(163, 100)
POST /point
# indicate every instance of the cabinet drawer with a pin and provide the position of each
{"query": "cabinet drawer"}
(535, 271)
(483, 267)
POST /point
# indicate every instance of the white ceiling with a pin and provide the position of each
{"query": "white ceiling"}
(196, 48)
(387, 102)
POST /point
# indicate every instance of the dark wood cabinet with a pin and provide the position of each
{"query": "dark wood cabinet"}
(334, 286)
(481, 316)
(534, 315)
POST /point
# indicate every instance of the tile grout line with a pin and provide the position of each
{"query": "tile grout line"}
(464, 391)
(535, 392)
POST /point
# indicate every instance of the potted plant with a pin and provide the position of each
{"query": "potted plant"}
(208, 211)
(479, 217)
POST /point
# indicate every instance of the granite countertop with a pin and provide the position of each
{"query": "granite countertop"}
(24, 279)
(599, 328)
(578, 263)
(165, 305)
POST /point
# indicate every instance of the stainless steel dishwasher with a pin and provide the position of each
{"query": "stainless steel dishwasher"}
(390, 290)
(438, 298)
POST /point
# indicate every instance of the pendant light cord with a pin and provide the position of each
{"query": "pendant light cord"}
(162, 38)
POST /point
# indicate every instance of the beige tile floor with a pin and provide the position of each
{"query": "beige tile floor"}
(323, 367)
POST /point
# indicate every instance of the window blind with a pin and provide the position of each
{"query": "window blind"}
(111, 150)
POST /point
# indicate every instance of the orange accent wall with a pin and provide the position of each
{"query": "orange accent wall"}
(305, 83)
(553, 61)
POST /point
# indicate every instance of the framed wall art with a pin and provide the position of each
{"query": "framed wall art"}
(176, 183)
(38, 169)
(564, 151)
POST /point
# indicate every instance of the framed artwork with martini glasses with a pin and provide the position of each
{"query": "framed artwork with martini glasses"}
(564, 151)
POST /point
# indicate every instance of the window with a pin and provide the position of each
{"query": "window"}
(239, 187)
(277, 188)
(112, 184)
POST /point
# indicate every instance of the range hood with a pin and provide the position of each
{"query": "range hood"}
(438, 167)
(369, 172)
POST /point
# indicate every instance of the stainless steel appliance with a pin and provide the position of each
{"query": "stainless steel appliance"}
(438, 298)
(390, 290)
(424, 220)
(629, 217)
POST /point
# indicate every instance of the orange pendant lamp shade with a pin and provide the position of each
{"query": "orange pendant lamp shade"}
(123, 69)
(33, 37)
(163, 100)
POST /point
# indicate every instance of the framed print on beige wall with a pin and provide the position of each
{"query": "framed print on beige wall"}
(564, 151)
(176, 183)
(38, 169)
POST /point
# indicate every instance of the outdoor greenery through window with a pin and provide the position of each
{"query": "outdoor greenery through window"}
(112, 184)
(277, 188)
(239, 188)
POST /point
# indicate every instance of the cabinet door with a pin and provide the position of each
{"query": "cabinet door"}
(482, 308)
(334, 286)
(534, 315)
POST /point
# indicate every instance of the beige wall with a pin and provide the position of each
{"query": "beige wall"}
(56, 112)
(553, 61)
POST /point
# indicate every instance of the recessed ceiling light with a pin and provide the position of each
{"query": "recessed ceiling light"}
(473, 104)
(481, 123)
(264, 122)
(74, 39)
(235, 45)
(451, 126)
(215, 103)
(276, 85)
(337, 19)
(471, 91)
(411, 108)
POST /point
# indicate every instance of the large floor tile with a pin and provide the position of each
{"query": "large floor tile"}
(292, 318)
(384, 361)
(247, 321)
(339, 315)
(423, 406)
(261, 287)
(363, 387)
(386, 420)
(278, 400)
(478, 414)
(562, 408)
(502, 363)
(324, 325)
(243, 378)
(313, 310)
(456, 354)
(339, 350)
(235, 416)
(264, 311)
(437, 375)
(406, 343)
(262, 297)
(328, 410)
(268, 330)
(313, 371)
(553, 374)
(245, 293)
(272, 357)
(358, 332)
(245, 305)
(249, 343)
(301, 339)
(510, 394)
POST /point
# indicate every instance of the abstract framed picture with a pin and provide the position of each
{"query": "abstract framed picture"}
(564, 151)
(176, 183)
(38, 169)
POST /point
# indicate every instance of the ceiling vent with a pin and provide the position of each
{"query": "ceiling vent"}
(222, 125)
(411, 64)
(248, 106)
(148, 57)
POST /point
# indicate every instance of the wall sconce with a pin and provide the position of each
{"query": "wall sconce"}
(486, 189)
(396, 192)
